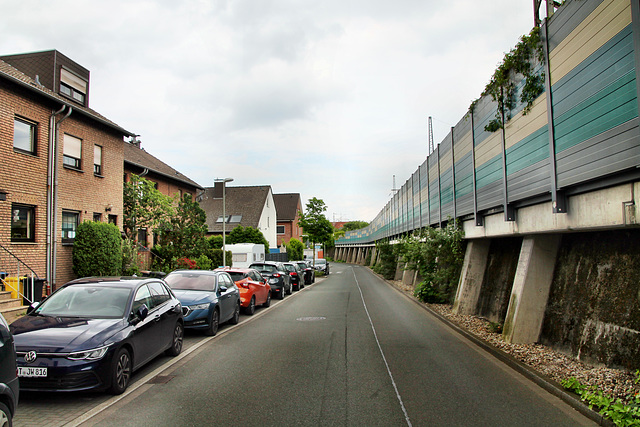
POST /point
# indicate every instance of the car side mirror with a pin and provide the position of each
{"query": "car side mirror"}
(142, 312)
(223, 289)
(32, 307)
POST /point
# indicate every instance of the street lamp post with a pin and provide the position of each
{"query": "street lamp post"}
(224, 218)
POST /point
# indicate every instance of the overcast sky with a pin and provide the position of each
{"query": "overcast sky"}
(326, 98)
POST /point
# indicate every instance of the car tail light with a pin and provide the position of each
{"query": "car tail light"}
(276, 275)
(293, 273)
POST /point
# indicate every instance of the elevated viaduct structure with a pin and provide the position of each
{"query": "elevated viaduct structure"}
(548, 200)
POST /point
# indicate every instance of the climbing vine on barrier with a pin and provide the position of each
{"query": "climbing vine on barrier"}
(501, 87)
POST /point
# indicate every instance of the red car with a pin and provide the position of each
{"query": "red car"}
(254, 289)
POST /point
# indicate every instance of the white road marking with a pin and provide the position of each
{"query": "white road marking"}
(404, 410)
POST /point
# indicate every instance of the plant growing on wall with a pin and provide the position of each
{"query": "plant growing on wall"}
(501, 87)
(437, 255)
(388, 260)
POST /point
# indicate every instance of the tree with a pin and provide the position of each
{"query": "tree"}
(316, 226)
(97, 250)
(143, 206)
(182, 235)
(242, 234)
(354, 225)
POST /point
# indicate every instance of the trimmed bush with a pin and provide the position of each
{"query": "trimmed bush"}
(97, 250)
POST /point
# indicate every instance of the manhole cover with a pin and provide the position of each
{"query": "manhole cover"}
(311, 319)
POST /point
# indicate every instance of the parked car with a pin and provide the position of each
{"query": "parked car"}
(297, 281)
(321, 264)
(308, 271)
(93, 333)
(276, 275)
(209, 298)
(9, 387)
(253, 287)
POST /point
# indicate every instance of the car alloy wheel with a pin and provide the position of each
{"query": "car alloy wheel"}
(5, 416)
(267, 303)
(215, 322)
(121, 372)
(177, 341)
(236, 315)
(282, 293)
(251, 308)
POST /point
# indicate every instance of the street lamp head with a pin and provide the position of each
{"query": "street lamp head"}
(223, 180)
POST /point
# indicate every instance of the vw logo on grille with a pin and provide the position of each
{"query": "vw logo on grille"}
(30, 357)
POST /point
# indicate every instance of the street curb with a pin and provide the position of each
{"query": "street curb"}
(541, 380)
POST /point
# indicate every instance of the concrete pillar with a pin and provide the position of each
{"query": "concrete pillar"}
(470, 284)
(374, 254)
(408, 276)
(531, 288)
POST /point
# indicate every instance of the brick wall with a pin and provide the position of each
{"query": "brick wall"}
(24, 177)
(83, 191)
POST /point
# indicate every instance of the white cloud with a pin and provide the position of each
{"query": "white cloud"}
(329, 99)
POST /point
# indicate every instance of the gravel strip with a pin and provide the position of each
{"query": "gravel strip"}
(544, 360)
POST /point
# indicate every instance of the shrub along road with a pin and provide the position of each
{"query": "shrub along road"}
(350, 350)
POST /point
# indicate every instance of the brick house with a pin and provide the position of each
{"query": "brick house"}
(167, 180)
(246, 206)
(61, 163)
(288, 207)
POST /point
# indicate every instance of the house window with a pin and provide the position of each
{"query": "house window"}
(220, 219)
(142, 236)
(280, 229)
(113, 219)
(73, 86)
(23, 224)
(72, 151)
(97, 160)
(24, 136)
(235, 218)
(97, 217)
(69, 225)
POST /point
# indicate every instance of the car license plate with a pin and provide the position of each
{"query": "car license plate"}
(32, 372)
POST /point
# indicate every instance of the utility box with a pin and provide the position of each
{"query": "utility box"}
(245, 254)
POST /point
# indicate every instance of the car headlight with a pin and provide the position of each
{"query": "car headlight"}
(199, 307)
(93, 354)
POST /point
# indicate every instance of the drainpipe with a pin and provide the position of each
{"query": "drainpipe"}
(52, 192)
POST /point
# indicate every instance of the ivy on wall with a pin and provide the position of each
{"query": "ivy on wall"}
(502, 88)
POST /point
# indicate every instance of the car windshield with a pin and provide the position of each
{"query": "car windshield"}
(86, 301)
(266, 268)
(320, 261)
(191, 281)
(289, 267)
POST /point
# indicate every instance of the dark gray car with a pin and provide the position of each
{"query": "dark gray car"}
(9, 389)
(277, 277)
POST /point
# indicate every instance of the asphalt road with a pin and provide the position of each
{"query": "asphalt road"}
(349, 350)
